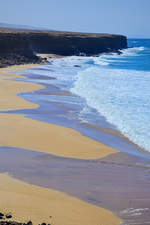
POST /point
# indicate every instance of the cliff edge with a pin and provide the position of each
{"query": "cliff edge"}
(21, 46)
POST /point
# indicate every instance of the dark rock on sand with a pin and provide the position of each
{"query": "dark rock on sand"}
(1, 216)
(18, 223)
(8, 216)
(29, 223)
(11, 223)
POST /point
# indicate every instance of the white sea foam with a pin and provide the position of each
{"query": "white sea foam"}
(101, 61)
(122, 96)
(132, 51)
(106, 59)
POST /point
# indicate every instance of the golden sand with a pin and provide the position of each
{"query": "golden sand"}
(9, 72)
(27, 133)
(19, 131)
(28, 202)
(10, 88)
(9, 99)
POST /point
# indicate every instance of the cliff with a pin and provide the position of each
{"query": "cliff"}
(20, 46)
(14, 49)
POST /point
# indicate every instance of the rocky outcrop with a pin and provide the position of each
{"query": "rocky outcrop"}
(20, 46)
(15, 49)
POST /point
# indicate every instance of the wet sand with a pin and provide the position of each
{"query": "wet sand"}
(9, 89)
(15, 71)
(29, 202)
(24, 200)
(119, 182)
(57, 107)
(40, 136)
(22, 132)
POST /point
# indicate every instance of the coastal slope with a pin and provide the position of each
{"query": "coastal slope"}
(18, 46)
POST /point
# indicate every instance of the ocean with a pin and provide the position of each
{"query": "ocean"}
(115, 87)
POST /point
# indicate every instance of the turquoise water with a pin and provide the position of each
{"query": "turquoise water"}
(114, 86)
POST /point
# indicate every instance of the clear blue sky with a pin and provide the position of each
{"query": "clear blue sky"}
(128, 17)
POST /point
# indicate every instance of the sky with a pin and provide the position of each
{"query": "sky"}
(127, 17)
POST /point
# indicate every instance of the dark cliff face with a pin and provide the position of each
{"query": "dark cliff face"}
(20, 46)
(75, 45)
(15, 49)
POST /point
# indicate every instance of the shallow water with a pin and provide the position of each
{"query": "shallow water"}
(120, 183)
(53, 109)
(112, 86)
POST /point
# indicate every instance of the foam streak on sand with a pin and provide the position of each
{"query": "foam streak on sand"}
(28, 202)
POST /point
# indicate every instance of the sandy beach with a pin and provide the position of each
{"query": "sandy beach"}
(46, 163)
(26, 201)
(9, 89)
(52, 139)
(19, 131)
(74, 112)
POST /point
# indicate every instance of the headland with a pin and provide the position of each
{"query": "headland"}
(21, 46)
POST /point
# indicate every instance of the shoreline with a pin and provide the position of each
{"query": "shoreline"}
(8, 125)
(110, 162)
(32, 87)
(107, 130)
(53, 139)
(108, 183)
(32, 203)
(10, 88)
(26, 132)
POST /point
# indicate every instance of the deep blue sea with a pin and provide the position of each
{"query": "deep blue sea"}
(113, 86)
